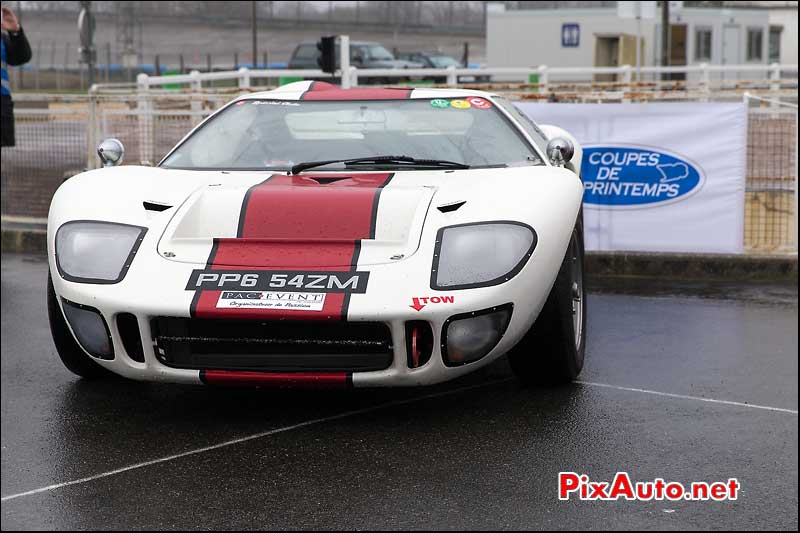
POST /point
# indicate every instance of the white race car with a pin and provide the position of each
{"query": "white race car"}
(313, 235)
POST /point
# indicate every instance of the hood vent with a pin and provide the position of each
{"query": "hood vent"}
(448, 208)
(153, 206)
(328, 181)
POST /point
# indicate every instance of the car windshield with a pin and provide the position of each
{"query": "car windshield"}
(277, 134)
(306, 51)
(443, 61)
(377, 51)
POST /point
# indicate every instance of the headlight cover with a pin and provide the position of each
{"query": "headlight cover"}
(90, 329)
(96, 252)
(471, 336)
(481, 254)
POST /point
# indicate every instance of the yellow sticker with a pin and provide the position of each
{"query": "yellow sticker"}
(460, 104)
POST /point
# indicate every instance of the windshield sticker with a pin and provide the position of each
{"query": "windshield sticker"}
(440, 103)
(460, 104)
(274, 102)
(479, 103)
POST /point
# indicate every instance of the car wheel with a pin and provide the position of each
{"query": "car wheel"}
(71, 354)
(552, 351)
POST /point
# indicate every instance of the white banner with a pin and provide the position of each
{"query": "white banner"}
(659, 177)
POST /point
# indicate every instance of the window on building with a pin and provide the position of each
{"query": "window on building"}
(775, 44)
(755, 36)
(702, 44)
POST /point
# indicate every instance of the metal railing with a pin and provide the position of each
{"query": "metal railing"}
(702, 81)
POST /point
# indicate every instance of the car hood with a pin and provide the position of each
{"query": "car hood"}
(313, 221)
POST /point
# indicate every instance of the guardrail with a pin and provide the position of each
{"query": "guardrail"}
(775, 75)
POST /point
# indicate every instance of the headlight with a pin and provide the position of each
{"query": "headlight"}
(469, 337)
(90, 329)
(96, 252)
(481, 254)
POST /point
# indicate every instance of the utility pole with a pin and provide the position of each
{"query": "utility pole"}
(255, 34)
(665, 49)
(86, 27)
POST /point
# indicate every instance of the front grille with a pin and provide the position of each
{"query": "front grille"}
(272, 346)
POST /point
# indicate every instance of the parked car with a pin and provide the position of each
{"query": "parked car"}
(323, 236)
(440, 60)
(364, 55)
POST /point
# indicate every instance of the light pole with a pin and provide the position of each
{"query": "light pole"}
(86, 30)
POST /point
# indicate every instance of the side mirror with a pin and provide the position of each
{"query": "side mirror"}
(560, 151)
(111, 152)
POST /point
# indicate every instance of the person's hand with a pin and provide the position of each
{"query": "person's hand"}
(10, 22)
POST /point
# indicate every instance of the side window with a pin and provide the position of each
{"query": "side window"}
(702, 44)
(527, 124)
(754, 44)
(358, 54)
(775, 44)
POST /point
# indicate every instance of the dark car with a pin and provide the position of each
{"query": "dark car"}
(364, 55)
(440, 60)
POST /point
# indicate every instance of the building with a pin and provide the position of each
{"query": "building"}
(756, 33)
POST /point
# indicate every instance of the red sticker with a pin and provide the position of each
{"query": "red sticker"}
(419, 302)
(479, 103)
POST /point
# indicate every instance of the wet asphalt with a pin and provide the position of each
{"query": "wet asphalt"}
(482, 452)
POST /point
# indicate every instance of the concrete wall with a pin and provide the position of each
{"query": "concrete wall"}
(533, 37)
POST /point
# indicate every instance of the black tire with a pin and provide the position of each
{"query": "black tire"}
(551, 353)
(71, 354)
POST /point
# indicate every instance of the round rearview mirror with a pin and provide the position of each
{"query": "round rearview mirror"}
(560, 151)
(111, 152)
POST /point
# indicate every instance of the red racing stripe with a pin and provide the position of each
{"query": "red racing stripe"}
(280, 379)
(308, 222)
(325, 91)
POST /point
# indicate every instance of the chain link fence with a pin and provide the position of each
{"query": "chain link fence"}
(770, 222)
(55, 141)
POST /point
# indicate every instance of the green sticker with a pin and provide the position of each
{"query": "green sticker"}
(439, 102)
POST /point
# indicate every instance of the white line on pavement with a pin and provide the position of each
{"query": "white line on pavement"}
(248, 438)
(356, 412)
(684, 397)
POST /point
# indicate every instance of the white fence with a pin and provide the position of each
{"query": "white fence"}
(57, 136)
(703, 79)
(777, 75)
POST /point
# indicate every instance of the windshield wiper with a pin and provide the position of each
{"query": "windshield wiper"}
(398, 160)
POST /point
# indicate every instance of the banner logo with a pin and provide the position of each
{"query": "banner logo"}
(625, 176)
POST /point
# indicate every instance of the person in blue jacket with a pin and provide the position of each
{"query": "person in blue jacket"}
(15, 51)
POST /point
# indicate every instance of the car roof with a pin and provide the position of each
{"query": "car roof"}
(352, 43)
(295, 91)
(429, 53)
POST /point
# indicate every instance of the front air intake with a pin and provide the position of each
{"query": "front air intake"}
(419, 343)
(131, 337)
(272, 345)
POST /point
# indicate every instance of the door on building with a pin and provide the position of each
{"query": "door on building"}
(613, 50)
(731, 48)
(677, 49)
(606, 54)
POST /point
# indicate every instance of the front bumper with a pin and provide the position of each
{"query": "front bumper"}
(147, 361)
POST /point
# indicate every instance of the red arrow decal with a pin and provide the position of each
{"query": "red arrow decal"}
(417, 306)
